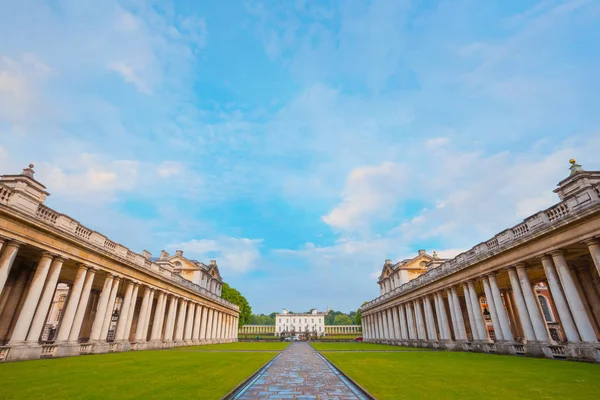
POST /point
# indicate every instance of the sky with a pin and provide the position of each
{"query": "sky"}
(299, 143)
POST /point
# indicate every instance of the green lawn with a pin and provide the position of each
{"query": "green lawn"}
(359, 346)
(275, 346)
(448, 375)
(132, 375)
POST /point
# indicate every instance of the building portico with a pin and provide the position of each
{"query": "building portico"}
(533, 289)
(67, 290)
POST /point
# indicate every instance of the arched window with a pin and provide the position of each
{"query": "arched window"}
(548, 315)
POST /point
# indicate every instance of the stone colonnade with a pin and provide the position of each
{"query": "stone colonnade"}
(512, 319)
(258, 329)
(342, 329)
(149, 317)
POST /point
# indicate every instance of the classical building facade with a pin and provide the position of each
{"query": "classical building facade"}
(68, 290)
(533, 289)
(301, 322)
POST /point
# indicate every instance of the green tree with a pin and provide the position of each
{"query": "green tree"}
(358, 315)
(342, 319)
(234, 296)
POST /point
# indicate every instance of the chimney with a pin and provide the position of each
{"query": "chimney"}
(179, 253)
(146, 254)
(421, 252)
(213, 263)
(164, 255)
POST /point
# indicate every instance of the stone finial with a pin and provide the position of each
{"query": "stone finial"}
(213, 262)
(179, 253)
(421, 252)
(28, 172)
(575, 168)
(164, 255)
(388, 262)
(435, 255)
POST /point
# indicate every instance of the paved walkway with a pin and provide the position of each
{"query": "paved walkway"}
(300, 373)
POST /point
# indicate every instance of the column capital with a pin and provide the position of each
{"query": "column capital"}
(47, 254)
(520, 265)
(557, 252)
(58, 257)
(592, 241)
(92, 268)
(545, 257)
(82, 265)
(14, 243)
(117, 277)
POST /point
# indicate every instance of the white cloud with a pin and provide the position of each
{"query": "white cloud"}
(369, 193)
(130, 75)
(233, 255)
(169, 168)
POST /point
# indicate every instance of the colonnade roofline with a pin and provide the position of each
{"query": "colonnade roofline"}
(22, 197)
(581, 201)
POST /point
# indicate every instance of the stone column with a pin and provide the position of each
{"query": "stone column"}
(82, 307)
(481, 330)
(589, 289)
(460, 322)
(139, 330)
(7, 259)
(492, 309)
(39, 319)
(432, 332)
(539, 326)
(180, 320)
(392, 333)
(472, 322)
(101, 308)
(171, 319)
(191, 309)
(148, 314)
(68, 315)
(403, 324)
(122, 323)
(111, 307)
(559, 300)
(410, 317)
(582, 321)
(386, 329)
(156, 333)
(24, 321)
(444, 316)
(515, 323)
(500, 309)
(420, 319)
(398, 335)
(197, 322)
(593, 246)
(209, 325)
(204, 323)
(452, 313)
(131, 312)
(524, 316)
(215, 326)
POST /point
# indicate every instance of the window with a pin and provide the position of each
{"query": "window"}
(548, 316)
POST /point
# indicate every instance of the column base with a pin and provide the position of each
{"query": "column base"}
(100, 347)
(505, 347)
(583, 351)
(141, 345)
(67, 350)
(24, 352)
(155, 344)
(535, 348)
(167, 344)
(195, 342)
(447, 345)
(480, 346)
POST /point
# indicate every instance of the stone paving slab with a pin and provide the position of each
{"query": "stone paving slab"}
(300, 373)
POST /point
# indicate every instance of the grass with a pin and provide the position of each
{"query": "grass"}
(275, 346)
(448, 375)
(133, 375)
(359, 346)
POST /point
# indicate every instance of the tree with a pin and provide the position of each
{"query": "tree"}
(234, 296)
(358, 315)
(342, 319)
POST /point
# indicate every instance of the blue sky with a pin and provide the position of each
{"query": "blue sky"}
(299, 143)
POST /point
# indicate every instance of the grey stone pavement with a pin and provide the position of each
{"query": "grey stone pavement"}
(300, 373)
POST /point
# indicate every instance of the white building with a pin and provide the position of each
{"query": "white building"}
(292, 322)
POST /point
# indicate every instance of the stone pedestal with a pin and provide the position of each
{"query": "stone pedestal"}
(67, 350)
(479, 346)
(100, 347)
(155, 344)
(448, 345)
(504, 347)
(582, 351)
(23, 352)
(538, 349)
(125, 346)
(139, 345)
